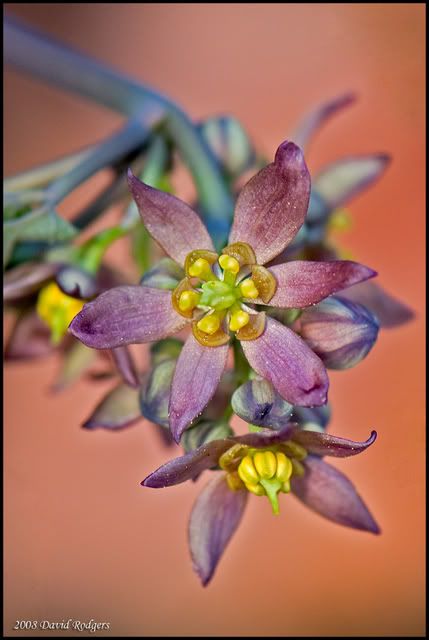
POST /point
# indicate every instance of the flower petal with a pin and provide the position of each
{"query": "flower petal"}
(196, 378)
(189, 465)
(344, 179)
(325, 444)
(314, 121)
(257, 402)
(215, 516)
(171, 222)
(77, 283)
(126, 315)
(119, 408)
(301, 283)
(272, 205)
(30, 338)
(328, 492)
(390, 311)
(283, 358)
(341, 332)
(125, 364)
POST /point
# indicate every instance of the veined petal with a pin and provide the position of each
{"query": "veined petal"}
(340, 181)
(196, 378)
(170, 221)
(283, 358)
(390, 311)
(272, 205)
(328, 492)
(126, 315)
(119, 408)
(301, 283)
(310, 125)
(189, 465)
(341, 332)
(215, 516)
(257, 402)
(325, 444)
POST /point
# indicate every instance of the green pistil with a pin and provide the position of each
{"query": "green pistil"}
(272, 487)
(218, 295)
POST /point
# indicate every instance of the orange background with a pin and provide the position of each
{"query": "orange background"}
(83, 539)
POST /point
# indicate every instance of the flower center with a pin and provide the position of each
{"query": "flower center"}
(215, 290)
(263, 472)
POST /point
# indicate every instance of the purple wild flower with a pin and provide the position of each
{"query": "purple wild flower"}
(217, 292)
(265, 463)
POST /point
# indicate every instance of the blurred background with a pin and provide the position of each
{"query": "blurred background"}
(82, 539)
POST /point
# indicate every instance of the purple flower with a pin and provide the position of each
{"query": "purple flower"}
(266, 463)
(217, 293)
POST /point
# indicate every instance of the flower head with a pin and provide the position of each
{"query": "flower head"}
(221, 296)
(267, 463)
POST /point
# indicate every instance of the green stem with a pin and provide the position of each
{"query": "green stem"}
(241, 366)
(70, 70)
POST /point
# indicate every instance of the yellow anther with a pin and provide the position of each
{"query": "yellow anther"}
(257, 489)
(209, 324)
(284, 467)
(200, 269)
(188, 300)
(248, 289)
(298, 468)
(285, 488)
(238, 320)
(247, 471)
(265, 464)
(228, 263)
(234, 481)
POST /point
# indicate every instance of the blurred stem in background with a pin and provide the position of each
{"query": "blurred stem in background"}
(53, 62)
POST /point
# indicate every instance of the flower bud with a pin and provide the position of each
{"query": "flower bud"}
(340, 332)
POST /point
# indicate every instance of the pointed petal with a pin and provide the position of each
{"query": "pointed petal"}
(215, 516)
(311, 124)
(196, 378)
(257, 402)
(344, 179)
(126, 315)
(171, 222)
(126, 366)
(328, 492)
(283, 358)
(272, 205)
(119, 408)
(341, 332)
(27, 278)
(189, 465)
(325, 444)
(301, 283)
(390, 311)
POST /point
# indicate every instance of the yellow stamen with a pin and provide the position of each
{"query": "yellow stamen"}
(284, 467)
(238, 320)
(248, 289)
(188, 300)
(201, 269)
(234, 481)
(209, 324)
(265, 463)
(247, 471)
(57, 310)
(257, 489)
(228, 263)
